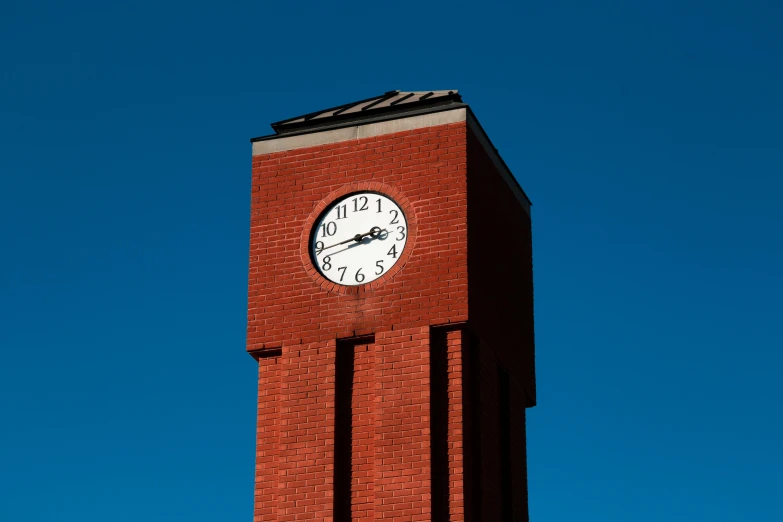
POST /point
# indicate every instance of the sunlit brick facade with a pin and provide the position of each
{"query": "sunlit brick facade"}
(403, 399)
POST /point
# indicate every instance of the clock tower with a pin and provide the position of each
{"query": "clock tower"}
(390, 310)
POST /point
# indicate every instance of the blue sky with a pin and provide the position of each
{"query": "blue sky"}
(647, 134)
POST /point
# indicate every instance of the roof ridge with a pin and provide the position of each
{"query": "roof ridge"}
(389, 102)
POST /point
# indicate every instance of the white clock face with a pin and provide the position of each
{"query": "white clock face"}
(358, 238)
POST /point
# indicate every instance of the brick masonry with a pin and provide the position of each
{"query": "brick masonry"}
(381, 401)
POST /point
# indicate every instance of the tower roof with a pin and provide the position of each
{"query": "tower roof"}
(392, 104)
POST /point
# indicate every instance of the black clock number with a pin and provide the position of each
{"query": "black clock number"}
(358, 275)
(392, 252)
(394, 220)
(356, 207)
(327, 263)
(379, 264)
(401, 230)
(328, 229)
(342, 211)
(319, 247)
(379, 205)
(342, 274)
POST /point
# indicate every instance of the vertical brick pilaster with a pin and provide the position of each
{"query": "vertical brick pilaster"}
(454, 361)
(354, 448)
(490, 452)
(267, 439)
(472, 422)
(446, 355)
(363, 435)
(306, 455)
(519, 453)
(402, 425)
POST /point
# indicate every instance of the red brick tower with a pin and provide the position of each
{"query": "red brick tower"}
(390, 310)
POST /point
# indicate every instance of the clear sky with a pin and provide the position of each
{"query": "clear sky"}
(647, 134)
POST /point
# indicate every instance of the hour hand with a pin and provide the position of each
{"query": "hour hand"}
(374, 232)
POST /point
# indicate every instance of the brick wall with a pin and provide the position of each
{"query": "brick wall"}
(268, 437)
(306, 446)
(380, 402)
(501, 322)
(501, 268)
(425, 170)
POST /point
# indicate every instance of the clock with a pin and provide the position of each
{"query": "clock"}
(358, 238)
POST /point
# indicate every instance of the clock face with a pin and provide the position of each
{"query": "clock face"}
(358, 238)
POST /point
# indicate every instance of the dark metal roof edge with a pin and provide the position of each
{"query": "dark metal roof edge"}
(361, 115)
(365, 121)
(502, 161)
(316, 113)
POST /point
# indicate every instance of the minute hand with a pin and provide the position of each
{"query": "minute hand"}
(374, 231)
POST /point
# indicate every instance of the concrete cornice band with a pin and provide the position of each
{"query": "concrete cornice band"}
(368, 130)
